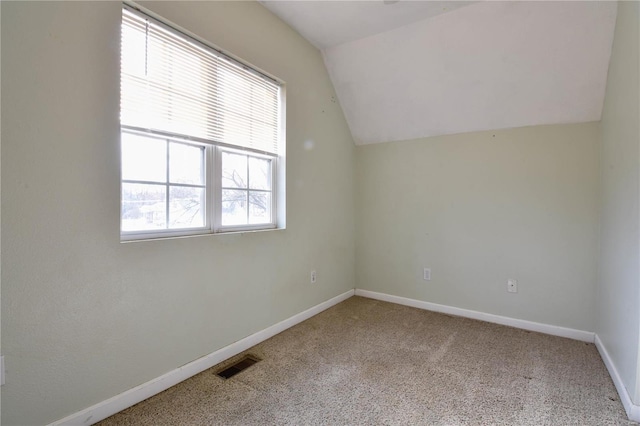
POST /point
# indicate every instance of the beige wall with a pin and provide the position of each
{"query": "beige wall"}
(478, 209)
(619, 277)
(1, 351)
(85, 317)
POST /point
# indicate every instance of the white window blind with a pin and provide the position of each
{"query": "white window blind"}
(182, 88)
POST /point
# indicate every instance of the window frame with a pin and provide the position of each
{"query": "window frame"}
(217, 207)
(157, 233)
(213, 191)
(213, 159)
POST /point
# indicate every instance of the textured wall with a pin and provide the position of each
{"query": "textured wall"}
(478, 209)
(619, 277)
(85, 317)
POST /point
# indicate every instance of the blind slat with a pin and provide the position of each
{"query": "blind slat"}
(172, 84)
(235, 101)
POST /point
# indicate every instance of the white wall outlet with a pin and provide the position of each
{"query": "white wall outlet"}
(512, 286)
(314, 277)
(426, 275)
(2, 370)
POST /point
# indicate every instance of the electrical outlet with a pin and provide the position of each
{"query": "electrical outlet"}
(426, 275)
(314, 277)
(512, 286)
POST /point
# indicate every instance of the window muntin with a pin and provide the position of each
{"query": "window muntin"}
(188, 115)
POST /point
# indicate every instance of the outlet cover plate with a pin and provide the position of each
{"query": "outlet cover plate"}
(427, 274)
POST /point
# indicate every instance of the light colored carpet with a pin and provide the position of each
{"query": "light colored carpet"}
(370, 362)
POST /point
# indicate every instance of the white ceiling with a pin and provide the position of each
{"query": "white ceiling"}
(485, 66)
(330, 23)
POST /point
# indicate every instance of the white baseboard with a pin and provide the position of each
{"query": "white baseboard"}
(585, 336)
(111, 406)
(633, 411)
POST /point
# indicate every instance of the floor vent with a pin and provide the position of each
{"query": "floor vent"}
(239, 366)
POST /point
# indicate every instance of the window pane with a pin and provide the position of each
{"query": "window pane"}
(143, 207)
(234, 170)
(143, 158)
(186, 163)
(234, 207)
(186, 207)
(259, 207)
(259, 173)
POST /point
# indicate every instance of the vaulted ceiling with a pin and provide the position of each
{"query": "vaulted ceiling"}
(412, 69)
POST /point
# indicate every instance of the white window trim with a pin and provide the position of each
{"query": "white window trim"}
(213, 182)
(213, 192)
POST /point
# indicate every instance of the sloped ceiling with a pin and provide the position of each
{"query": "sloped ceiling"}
(331, 23)
(416, 69)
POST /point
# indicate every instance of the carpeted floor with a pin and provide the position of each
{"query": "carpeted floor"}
(376, 363)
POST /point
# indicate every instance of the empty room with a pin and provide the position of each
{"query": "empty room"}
(320, 213)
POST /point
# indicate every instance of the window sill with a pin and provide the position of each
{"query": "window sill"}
(157, 237)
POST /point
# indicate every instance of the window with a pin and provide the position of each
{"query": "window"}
(200, 136)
